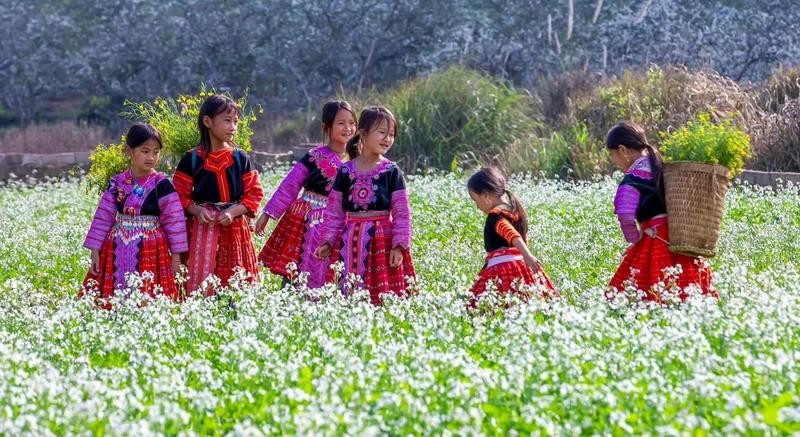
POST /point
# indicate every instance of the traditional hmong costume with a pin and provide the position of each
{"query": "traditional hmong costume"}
(216, 182)
(648, 261)
(368, 213)
(297, 233)
(505, 266)
(138, 223)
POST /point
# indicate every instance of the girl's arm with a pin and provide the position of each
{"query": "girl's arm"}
(626, 202)
(183, 181)
(401, 211)
(506, 230)
(401, 219)
(172, 218)
(287, 191)
(103, 220)
(252, 194)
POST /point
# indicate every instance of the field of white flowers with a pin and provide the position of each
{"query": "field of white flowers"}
(265, 360)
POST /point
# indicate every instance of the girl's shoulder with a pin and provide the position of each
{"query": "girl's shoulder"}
(498, 213)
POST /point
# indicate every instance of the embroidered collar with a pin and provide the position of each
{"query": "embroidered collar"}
(641, 168)
(505, 213)
(350, 167)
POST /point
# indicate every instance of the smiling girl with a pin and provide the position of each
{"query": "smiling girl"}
(368, 213)
(298, 232)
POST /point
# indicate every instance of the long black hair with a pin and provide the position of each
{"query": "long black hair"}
(140, 133)
(329, 111)
(632, 136)
(213, 105)
(491, 180)
(369, 119)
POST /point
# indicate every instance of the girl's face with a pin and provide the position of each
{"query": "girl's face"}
(379, 140)
(343, 127)
(484, 201)
(222, 126)
(621, 157)
(145, 157)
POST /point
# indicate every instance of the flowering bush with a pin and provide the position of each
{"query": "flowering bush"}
(702, 140)
(176, 119)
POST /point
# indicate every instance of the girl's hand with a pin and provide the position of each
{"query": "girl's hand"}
(176, 263)
(395, 257)
(95, 266)
(201, 213)
(261, 224)
(225, 218)
(533, 262)
(323, 252)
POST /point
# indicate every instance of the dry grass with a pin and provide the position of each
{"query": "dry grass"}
(58, 137)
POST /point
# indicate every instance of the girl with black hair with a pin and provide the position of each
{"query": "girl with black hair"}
(297, 233)
(139, 224)
(509, 264)
(218, 187)
(641, 210)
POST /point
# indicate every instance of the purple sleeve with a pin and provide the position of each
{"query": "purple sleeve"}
(103, 219)
(287, 191)
(333, 222)
(173, 221)
(401, 220)
(625, 204)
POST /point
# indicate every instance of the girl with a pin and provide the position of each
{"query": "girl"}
(218, 186)
(139, 224)
(509, 263)
(298, 234)
(368, 211)
(640, 207)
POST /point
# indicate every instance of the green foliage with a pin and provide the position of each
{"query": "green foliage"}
(702, 140)
(106, 161)
(449, 114)
(176, 119)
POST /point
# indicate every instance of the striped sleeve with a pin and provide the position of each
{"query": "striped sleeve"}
(506, 231)
(102, 222)
(287, 191)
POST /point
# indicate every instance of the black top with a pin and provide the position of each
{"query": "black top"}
(322, 165)
(370, 191)
(492, 238)
(651, 202)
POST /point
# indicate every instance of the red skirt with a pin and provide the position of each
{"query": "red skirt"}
(218, 249)
(643, 266)
(294, 239)
(366, 247)
(507, 270)
(153, 257)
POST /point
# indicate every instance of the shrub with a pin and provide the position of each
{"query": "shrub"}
(779, 88)
(453, 114)
(176, 119)
(702, 140)
(776, 143)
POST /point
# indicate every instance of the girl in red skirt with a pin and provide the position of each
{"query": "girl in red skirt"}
(218, 187)
(368, 213)
(298, 232)
(639, 204)
(138, 226)
(509, 263)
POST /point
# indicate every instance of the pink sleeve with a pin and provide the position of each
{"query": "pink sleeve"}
(333, 219)
(287, 191)
(401, 220)
(174, 222)
(103, 219)
(626, 202)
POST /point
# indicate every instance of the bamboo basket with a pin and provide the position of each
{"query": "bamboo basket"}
(695, 195)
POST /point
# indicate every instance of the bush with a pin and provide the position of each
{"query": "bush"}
(702, 140)
(456, 114)
(776, 143)
(781, 87)
(176, 119)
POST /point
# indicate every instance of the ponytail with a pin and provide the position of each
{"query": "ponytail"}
(518, 209)
(352, 147)
(657, 168)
